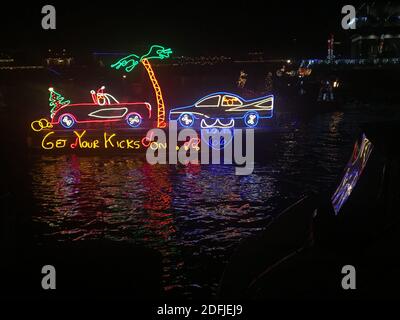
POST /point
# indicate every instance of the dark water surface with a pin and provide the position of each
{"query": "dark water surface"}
(194, 216)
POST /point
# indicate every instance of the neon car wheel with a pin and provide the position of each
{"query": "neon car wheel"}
(133, 120)
(251, 119)
(67, 120)
(186, 120)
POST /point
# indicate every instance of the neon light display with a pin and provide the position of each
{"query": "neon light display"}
(192, 143)
(217, 124)
(56, 101)
(105, 108)
(80, 140)
(353, 171)
(41, 124)
(225, 137)
(102, 98)
(99, 113)
(157, 90)
(224, 110)
(131, 61)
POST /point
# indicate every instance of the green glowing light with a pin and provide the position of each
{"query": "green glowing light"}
(56, 101)
(157, 52)
(131, 61)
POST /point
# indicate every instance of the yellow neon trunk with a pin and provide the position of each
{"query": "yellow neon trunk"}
(157, 90)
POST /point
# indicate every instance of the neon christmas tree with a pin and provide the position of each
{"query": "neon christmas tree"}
(56, 101)
(131, 61)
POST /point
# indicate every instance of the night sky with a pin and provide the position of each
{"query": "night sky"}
(284, 28)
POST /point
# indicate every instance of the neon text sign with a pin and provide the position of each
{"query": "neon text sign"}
(80, 140)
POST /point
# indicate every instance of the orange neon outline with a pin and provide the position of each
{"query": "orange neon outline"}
(157, 90)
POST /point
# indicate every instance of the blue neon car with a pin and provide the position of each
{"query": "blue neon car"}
(224, 110)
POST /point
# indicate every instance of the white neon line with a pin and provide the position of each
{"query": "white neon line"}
(204, 125)
(243, 108)
(198, 113)
(212, 106)
(256, 107)
(93, 114)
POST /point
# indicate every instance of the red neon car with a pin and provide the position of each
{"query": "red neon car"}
(132, 113)
(105, 108)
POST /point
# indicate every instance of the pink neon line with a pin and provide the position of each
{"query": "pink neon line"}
(89, 104)
(93, 121)
(146, 104)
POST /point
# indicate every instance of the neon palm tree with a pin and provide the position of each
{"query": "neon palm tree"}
(131, 61)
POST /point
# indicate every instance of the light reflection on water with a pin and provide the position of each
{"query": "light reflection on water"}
(193, 215)
(201, 209)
